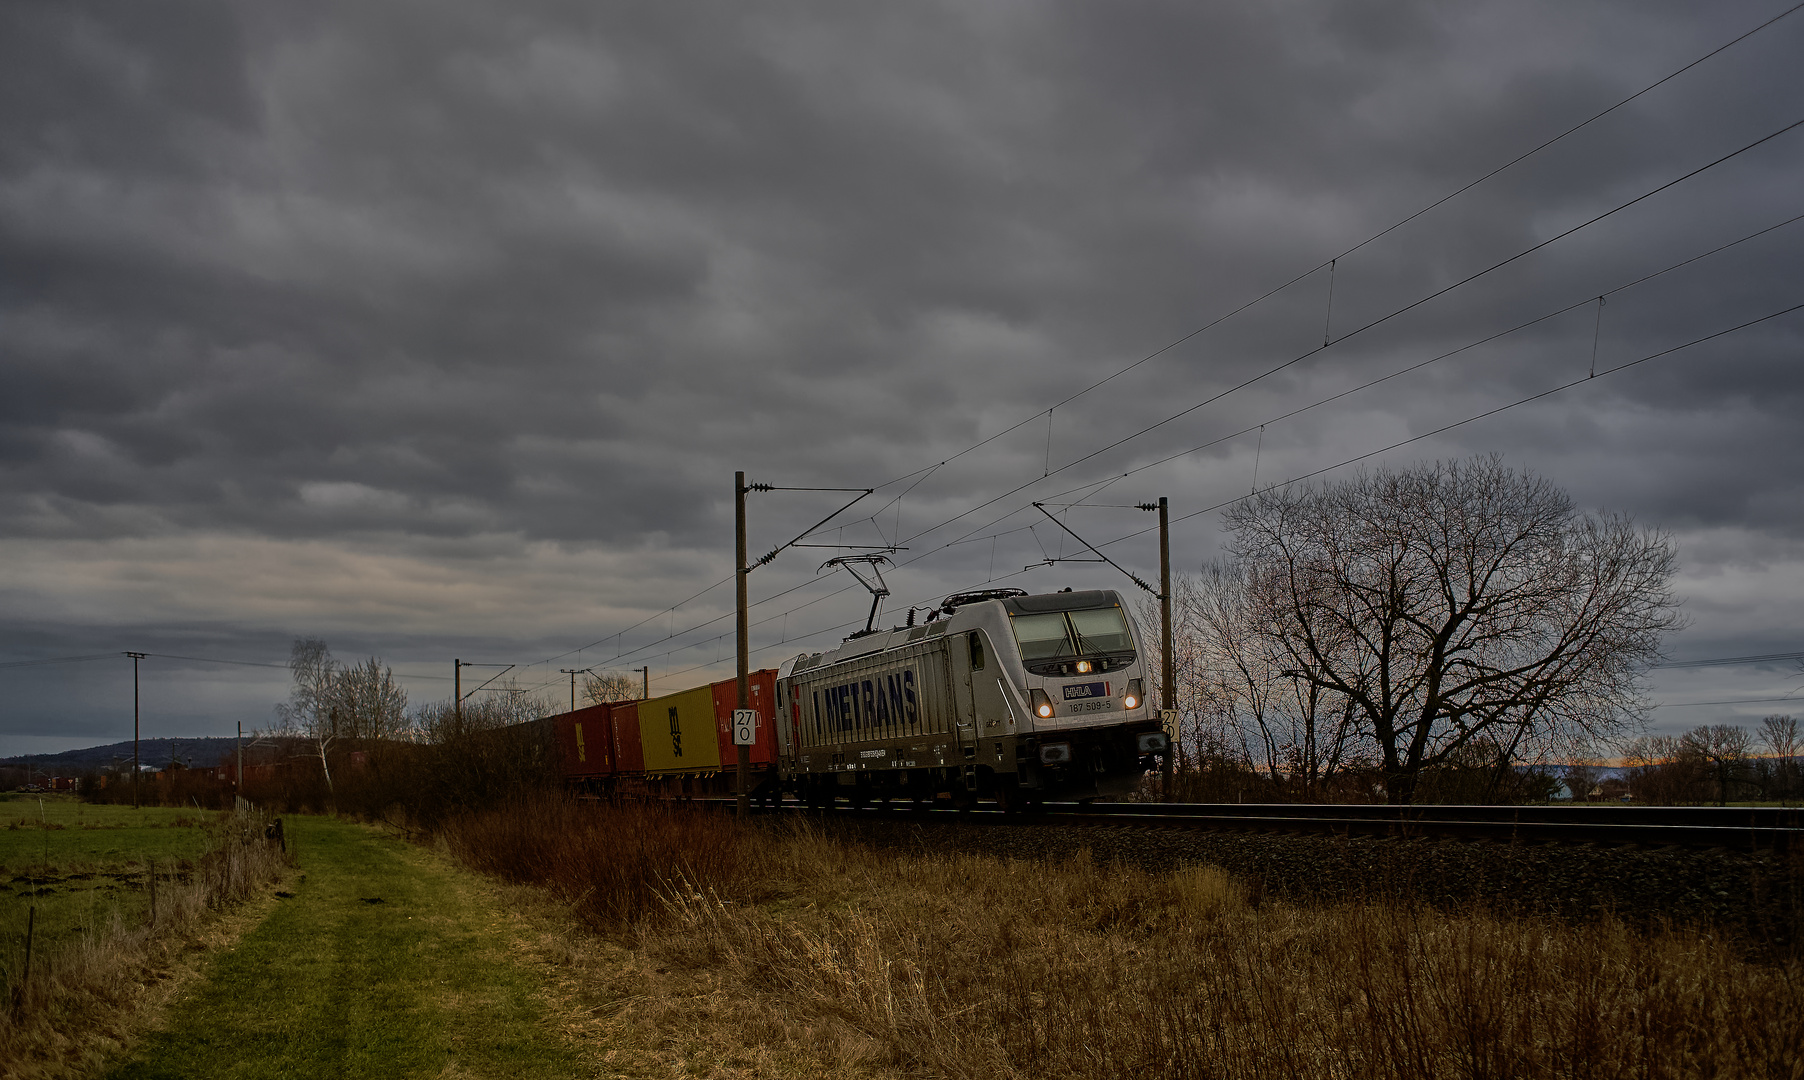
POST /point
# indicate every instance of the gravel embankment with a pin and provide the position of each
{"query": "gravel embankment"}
(1760, 895)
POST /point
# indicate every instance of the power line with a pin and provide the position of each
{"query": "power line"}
(967, 538)
(979, 534)
(1725, 661)
(920, 475)
(1443, 200)
(1211, 399)
(1730, 701)
(60, 660)
(172, 656)
(1437, 431)
(1251, 427)
(1478, 416)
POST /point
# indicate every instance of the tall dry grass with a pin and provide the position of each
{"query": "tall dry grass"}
(813, 955)
(612, 866)
(78, 998)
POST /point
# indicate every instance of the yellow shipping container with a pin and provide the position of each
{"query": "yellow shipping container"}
(679, 732)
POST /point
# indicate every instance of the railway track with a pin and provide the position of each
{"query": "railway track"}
(1734, 828)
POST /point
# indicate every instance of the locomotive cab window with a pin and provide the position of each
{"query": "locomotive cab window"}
(1042, 637)
(1071, 633)
(1100, 630)
(976, 651)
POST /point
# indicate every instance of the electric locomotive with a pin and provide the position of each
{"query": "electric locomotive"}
(998, 695)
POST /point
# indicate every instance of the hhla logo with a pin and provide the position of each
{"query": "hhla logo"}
(676, 733)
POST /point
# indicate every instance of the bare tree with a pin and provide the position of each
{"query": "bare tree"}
(311, 713)
(610, 686)
(1294, 728)
(1723, 748)
(1581, 778)
(1452, 600)
(1780, 738)
(1666, 770)
(1208, 730)
(369, 705)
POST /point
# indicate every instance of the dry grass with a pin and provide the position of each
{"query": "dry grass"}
(812, 956)
(613, 867)
(81, 995)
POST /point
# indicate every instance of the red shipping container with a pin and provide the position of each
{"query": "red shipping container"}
(586, 740)
(629, 754)
(761, 695)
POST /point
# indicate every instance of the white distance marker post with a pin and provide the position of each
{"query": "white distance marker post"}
(745, 727)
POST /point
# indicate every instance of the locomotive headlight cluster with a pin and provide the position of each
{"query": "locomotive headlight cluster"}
(1042, 705)
(1083, 667)
(1136, 690)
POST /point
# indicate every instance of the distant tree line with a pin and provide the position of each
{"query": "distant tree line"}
(1718, 763)
(348, 740)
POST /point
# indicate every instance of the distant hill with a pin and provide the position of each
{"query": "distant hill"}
(197, 753)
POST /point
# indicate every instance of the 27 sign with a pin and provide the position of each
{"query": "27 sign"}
(745, 727)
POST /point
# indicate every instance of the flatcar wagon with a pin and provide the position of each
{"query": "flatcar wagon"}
(998, 695)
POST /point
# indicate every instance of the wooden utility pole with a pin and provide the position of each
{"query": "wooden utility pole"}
(573, 673)
(1168, 691)
(645, 692)
(136, 656)
(745, 655)
(457, 692)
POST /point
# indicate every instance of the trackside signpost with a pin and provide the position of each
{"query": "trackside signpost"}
(740, 488)
(745, 727)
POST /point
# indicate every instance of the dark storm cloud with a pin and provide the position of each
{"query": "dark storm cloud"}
(407, 297)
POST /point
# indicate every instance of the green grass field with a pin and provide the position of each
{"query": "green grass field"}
(385, 961)
(81, 866)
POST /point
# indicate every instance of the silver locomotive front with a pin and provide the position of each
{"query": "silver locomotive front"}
(1008, 696)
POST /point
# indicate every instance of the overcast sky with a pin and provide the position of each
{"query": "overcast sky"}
(438, 329)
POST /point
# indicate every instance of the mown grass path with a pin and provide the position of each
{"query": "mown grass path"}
(427, 982)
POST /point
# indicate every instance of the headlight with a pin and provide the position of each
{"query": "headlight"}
(1154, 742)
(1083, 667)
(1042, 705)
(1136, 691)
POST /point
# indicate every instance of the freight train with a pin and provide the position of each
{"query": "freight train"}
(998, 695)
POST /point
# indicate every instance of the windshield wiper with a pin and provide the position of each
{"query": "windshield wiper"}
(1083, 645)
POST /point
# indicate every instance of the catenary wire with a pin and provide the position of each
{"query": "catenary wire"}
(1211, 399)
(677, 635)
(925, 472)
(1443, 200)
(928, 471)
(980, 532)
(1250, 428)
(1470, 419)
(1429, 434)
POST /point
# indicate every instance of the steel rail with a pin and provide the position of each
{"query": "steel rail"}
(1770, 817)
(1735, 828)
